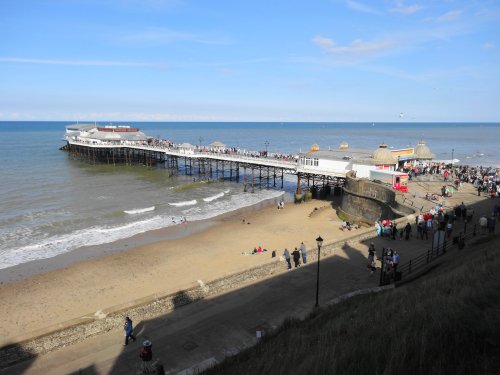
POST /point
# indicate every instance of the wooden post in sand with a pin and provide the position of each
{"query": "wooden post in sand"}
(253, 191)
(245, 179)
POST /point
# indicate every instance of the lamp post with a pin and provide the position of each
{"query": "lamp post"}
(319, 241)
(266, 143)
(452, 151)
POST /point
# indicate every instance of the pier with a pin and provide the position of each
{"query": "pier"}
(261, 171)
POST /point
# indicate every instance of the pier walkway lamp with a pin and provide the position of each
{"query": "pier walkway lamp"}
(266, 143)
(319, 242)
(201, 140)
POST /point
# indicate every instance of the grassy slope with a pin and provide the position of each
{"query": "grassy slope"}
(447, 322)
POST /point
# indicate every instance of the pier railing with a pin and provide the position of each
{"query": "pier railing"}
(195, 154)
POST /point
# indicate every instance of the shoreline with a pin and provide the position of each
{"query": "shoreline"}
(40, 266)
(89, 286)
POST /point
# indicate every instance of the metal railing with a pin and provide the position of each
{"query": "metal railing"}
(441, 244)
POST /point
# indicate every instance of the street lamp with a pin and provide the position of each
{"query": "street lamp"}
(201, 140)
(319, 241)
(266, 143)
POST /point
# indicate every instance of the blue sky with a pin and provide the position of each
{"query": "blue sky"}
(294, 60)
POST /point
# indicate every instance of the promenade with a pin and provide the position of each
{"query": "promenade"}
(206, 331)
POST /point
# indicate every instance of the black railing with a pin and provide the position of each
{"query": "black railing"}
(444, 243)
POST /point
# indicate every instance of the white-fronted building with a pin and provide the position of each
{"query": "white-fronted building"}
(338, 162)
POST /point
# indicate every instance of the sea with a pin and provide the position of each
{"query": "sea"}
(51, 204)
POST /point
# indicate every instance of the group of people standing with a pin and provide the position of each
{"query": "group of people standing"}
(389, 229)
(296, 255)
(389, 260)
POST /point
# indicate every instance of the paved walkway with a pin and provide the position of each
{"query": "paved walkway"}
(207, 330)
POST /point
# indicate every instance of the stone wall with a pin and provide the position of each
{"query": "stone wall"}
(368, 201)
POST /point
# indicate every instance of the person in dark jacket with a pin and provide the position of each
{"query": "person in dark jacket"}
(296, 257)
(129, 330)
(407, 231)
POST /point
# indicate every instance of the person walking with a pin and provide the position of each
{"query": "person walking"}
(129, 330)
(286, 254)
(296, 257)
(371, 261)
(395, 260)
(146, 354)
(407, 231)
(394, 230)
(303, 252)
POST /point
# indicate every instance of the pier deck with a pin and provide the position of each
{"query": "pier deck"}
(204, 162)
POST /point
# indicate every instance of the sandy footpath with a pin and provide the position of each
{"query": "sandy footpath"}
(167, 266)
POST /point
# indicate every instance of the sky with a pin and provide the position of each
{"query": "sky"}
(250, 60)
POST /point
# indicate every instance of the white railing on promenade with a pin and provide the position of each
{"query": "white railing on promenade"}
(195, 154)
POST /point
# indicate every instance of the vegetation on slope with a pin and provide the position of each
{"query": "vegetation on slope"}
(447, 322)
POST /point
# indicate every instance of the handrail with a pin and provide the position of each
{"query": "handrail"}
(421, 261)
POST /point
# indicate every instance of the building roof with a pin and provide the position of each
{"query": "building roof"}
(217, 144)
(338, 154)
(422, 151)
(91, 131)
(382, 155)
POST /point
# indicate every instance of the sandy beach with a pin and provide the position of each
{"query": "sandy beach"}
(85, 287)
(219, 247)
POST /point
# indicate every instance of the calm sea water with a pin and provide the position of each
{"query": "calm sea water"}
(50, 204)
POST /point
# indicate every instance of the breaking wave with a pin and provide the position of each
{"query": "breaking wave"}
(140, 210)
(185, 203)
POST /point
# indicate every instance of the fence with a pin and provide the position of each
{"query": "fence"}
(441, 244)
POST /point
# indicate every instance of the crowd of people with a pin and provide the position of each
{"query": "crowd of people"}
(485, 179)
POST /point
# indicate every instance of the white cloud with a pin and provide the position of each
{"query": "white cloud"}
(79, 62)
(488, 45)
(356, 47)
(402, 8)
(452, 15)
(359, 7)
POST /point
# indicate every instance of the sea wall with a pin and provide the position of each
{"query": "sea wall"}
(368, 201)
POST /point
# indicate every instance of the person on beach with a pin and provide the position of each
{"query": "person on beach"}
(286, 254)
(146, 354)
(129, 330)
(296, 257)
(303, 252)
